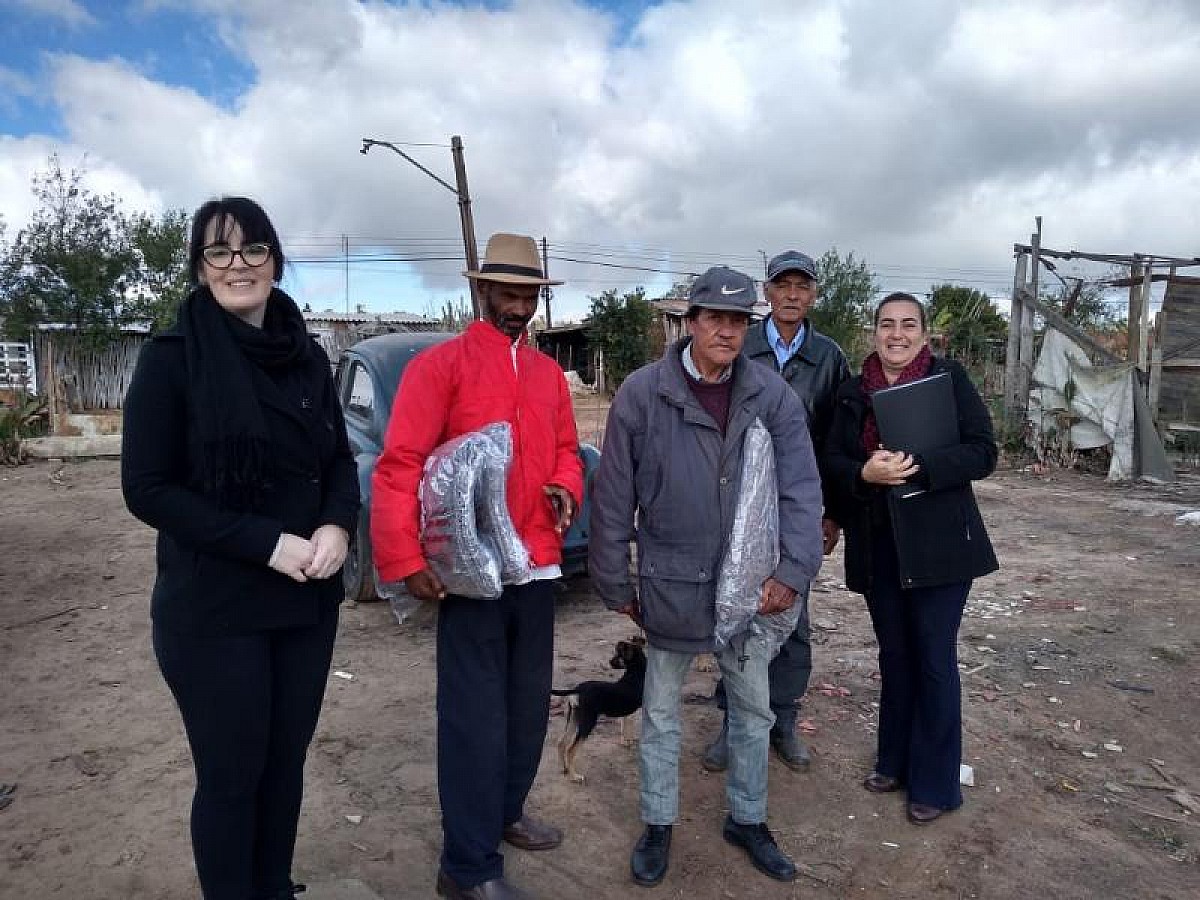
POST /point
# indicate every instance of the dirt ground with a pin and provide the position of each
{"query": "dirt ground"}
(1080, 661)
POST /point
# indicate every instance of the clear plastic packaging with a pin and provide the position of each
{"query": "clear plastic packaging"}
(515, 564)
(466, 532)
(753, 551)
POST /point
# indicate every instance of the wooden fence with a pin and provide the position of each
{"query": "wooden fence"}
(76, 377)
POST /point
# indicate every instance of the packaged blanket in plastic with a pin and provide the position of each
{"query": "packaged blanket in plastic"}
(495, 520)
(753, 551)
(464, 514)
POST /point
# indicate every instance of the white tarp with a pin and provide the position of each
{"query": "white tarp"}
(1101, 404)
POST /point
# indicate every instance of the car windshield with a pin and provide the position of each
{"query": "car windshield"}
(390, 363)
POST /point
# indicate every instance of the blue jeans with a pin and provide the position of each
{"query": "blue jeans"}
(744, 669)
(790, 669)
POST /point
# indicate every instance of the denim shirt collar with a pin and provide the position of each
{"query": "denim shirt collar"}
(783, 352)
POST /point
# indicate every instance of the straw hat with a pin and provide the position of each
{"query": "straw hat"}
(512, 259)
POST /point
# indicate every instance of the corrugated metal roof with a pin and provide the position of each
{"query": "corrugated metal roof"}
(357, 318)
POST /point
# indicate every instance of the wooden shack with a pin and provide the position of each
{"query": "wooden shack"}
(571, 348)
(1175, 364)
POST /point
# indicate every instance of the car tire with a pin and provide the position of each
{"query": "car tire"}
(358, 572)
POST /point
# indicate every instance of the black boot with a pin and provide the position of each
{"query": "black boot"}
(759, 844)
(651, 855)
(787, 743)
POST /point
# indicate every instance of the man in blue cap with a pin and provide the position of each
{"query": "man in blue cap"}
(814, 365)
(669, 478)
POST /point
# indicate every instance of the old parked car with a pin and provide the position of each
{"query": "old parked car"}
(367, 376)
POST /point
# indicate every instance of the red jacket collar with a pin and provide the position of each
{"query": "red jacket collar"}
(483, 330)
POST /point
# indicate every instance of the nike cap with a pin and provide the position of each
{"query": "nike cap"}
(791, 261)
(723, 288)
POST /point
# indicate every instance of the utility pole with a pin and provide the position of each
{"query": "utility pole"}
(464, 214)
(346, 265)
(459, 189)
(547, 291)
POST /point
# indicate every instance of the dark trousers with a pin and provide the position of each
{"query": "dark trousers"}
(249, 704)
(789, 671)
(920, 703)
(495, 661)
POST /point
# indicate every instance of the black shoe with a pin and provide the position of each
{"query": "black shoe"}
(716, 754)
(923, 813)
(288, 893)
(758, 842)
(496, 889)
(881, 784)
(651, 855)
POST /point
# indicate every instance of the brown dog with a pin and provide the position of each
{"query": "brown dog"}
(589, 700)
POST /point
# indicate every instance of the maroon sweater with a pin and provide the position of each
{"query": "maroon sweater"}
(714, 398)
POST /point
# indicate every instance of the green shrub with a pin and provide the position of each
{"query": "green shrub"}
(25, 418)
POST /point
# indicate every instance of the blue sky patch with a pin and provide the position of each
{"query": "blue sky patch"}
(177, 48)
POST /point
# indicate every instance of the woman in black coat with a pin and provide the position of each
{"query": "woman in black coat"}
(234, 449)
(914, 558)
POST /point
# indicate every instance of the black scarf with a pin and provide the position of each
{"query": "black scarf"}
(220, 349)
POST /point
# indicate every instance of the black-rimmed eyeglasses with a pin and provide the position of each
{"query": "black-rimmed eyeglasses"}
(220, 256)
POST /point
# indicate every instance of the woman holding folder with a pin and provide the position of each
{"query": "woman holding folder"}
(914, 542)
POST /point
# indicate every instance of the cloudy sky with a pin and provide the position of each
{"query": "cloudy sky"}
(645, 138)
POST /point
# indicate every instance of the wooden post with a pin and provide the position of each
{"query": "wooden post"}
(1144, 329)
(1025, 356)
(1012, 361)
(1135, 309)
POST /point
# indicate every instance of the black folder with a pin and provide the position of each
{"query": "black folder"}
(915, 417)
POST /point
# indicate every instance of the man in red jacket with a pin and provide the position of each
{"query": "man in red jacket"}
(494, 657)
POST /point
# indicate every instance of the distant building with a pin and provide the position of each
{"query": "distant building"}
(673, 313)
(571, 348)
(338, 330)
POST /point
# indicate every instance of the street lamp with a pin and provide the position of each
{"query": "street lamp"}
(459, 189)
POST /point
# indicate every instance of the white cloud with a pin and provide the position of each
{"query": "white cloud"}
(69, 12)
(13, 88)
(925, 139)
(20, 158)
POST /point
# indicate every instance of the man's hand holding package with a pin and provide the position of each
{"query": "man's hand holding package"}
(425, 585)
(776, 597)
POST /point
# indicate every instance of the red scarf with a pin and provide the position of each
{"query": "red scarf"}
(873, 379)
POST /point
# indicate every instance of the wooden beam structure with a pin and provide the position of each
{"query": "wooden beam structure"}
(1012, 360)
(1071, 330)
(1150, 357)
(1154, 259)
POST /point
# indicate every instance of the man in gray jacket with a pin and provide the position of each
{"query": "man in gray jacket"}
(815, 366)
(669, 478)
